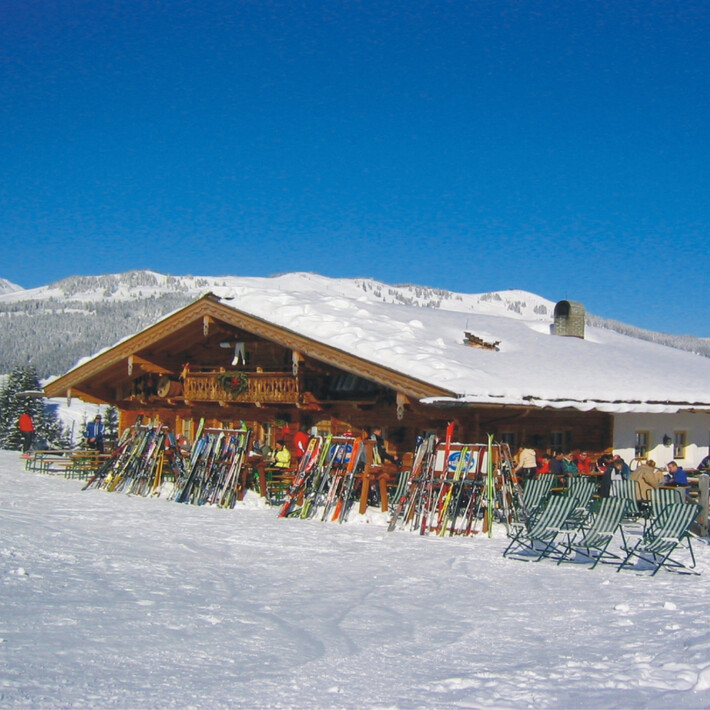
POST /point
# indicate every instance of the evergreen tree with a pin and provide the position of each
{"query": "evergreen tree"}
(111, 425)
(48, 429)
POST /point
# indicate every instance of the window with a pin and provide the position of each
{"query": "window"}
(641, 448)
(560, 440)
(508, 437)
(679, 445)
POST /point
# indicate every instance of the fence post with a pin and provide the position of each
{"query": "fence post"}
(703, 490)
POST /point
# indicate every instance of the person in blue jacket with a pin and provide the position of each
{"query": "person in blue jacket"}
(95, 434)
(676, 475)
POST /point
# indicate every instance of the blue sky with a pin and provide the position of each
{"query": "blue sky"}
(557, 147)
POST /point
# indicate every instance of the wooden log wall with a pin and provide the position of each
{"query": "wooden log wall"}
(540, 428)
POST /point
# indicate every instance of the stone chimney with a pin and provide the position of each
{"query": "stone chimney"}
(569, 319)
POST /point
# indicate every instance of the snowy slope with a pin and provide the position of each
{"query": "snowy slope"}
(111, 601)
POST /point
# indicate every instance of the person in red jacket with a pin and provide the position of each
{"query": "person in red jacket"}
(584, 464)
(27, 430)
(300, 443)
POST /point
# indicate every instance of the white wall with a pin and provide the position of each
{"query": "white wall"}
(695, 426)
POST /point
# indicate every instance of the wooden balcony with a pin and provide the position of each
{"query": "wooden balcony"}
(262, 388)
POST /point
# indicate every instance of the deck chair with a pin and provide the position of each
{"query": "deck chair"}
(583, 489)
(660, 498)
(594, 542)
(667, 532)
(540, 540)
(535, 495)
(629, 491)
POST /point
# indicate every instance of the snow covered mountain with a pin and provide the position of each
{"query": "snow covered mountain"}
(141, 285)
(9, 287)
(53, 326)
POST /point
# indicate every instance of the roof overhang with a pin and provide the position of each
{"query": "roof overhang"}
(210, 308)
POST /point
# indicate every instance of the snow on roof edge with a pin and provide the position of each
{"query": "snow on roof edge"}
(618, 407)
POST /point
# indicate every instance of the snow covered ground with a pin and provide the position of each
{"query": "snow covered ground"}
(114, 601)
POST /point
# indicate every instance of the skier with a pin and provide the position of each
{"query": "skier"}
(27, 430)
(94, 434)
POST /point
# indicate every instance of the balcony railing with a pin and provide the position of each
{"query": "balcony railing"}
(262, 387)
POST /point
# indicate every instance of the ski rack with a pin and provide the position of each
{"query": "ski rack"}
(451, 497)
(327, 481)
(146, 456)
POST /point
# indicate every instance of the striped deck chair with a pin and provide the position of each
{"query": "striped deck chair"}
(670, 530)
(660, 498)
(583, 489)
(540, 540)
(593, 543)
(535, 495)
(629, 491)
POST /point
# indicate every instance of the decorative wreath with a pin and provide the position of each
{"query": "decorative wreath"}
(233, 382)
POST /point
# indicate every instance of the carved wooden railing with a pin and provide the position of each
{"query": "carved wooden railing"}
(262, 387)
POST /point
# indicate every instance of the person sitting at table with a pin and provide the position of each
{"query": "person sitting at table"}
(281, 456)
(543, 464)
(557, 468)
(647, 477)
(676, 475)
(584, 464)
(569, 466)
(704, 465)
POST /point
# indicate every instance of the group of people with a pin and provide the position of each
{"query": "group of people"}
(281, 457)
(608, 467)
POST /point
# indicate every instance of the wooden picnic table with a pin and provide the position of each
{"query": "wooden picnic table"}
(71, 463)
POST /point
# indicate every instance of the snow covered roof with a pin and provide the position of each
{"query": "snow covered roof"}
(606, 371)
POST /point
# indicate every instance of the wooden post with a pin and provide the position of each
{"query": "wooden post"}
(703, 495)
(383, 478)
(366, 475)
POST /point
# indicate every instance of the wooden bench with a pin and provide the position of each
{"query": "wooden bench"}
(71, 463)
(278, 481)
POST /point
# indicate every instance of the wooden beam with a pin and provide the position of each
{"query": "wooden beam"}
(92, 397)
(146, 365)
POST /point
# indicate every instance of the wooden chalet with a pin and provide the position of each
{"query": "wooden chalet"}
(210, 360)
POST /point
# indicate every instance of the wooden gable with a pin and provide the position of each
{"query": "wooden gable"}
(197, 346)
